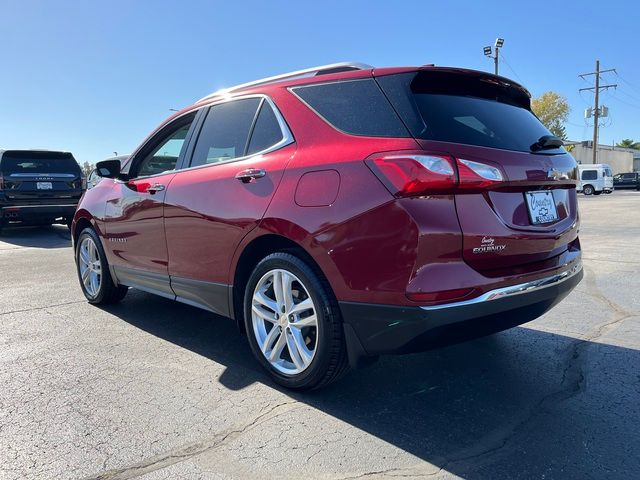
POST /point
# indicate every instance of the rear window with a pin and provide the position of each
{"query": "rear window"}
(469, 109)
(38, 162)
(357, 107)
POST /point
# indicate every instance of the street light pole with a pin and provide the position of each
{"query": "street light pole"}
(488, 53)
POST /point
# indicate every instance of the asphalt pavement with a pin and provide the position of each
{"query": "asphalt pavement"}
(152, 389)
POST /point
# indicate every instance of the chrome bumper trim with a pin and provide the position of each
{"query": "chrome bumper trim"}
(513, 289)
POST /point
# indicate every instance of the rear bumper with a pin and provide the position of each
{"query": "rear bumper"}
(372, 330)
(36, 214)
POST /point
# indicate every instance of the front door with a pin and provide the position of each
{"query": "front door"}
(135, 237)
(238, 161)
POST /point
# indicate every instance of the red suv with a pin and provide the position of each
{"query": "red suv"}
(342, 212)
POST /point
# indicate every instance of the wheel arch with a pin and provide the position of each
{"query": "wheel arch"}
(254, 251)
(81, 221)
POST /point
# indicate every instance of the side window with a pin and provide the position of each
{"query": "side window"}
(164, 153)
(589, 174)
(225, 132)
(266, 132)
(357, 107)
(630, 176)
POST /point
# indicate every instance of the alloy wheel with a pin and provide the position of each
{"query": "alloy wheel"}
(284, 321)
(90, 266)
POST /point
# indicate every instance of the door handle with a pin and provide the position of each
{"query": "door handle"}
(156, 187)
(250, 175)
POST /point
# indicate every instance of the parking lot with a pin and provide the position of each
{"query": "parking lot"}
(153, 389)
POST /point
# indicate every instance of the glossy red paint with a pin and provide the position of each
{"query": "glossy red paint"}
(320, 194)
(208, 212)
(133, 224)
(318, 188)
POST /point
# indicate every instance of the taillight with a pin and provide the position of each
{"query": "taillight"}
(477, 175)
(1, 183)
(84, 182)
(413, 173)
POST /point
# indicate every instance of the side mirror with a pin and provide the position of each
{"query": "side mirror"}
(108, 168)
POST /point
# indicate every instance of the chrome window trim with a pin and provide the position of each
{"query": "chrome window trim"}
(287, 136)
(512, 290)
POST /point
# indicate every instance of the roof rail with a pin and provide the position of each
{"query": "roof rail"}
(307, 72)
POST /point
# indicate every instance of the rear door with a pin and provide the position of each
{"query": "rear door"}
(531, 214)
(40, 178)
(237, 163)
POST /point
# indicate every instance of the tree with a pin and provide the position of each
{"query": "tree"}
(628, 143)
(553, 111)
(87, 168)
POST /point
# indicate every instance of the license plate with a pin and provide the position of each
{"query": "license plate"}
(541, 206)
(44, 185)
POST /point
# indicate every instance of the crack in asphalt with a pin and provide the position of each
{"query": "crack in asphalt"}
(190, 450)
(407, 472)
(572, 383)
(43, 307)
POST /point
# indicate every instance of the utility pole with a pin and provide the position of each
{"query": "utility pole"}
(596, 111)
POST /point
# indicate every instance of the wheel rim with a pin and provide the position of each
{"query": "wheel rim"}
(284, 321)
(90, 266)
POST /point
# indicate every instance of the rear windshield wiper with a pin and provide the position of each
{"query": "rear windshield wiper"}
(547, 142)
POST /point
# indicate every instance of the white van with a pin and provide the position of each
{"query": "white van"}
(595, 179)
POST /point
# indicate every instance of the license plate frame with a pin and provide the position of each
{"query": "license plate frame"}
(44, 185)
(541, 206)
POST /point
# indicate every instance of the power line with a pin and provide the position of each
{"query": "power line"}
(625, 102)
(504, 58)
(629, 84)
(633, 97)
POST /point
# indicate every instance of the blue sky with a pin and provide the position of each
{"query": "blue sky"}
(96, 77)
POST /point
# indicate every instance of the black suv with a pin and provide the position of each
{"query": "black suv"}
(38, 187)
(627, 180)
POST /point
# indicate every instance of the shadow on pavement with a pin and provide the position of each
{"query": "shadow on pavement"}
(53, 236)
(519, 404)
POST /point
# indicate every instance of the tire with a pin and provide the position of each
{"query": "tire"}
(319, 353)
(588, 190)
(103, 290)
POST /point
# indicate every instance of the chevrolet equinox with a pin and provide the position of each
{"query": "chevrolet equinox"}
(342, 212)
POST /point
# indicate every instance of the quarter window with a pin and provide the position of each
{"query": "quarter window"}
(357, 107)
(225, 132)
(266, 132)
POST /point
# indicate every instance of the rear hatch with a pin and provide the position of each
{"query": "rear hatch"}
(528, 212)
(40, 177)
